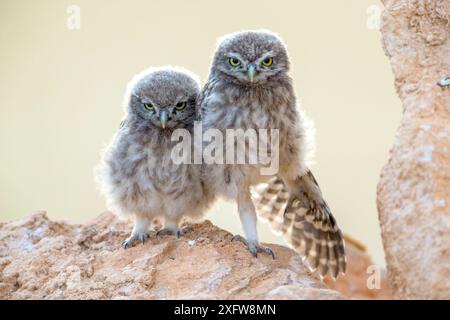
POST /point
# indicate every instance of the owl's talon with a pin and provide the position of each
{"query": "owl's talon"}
(239, 238)
(163, 232)
(186, 229)
(142, 237)
(267, 250)
(125, 244)
(253, 251)
(254, 247)
(128, 243)
(177, 232)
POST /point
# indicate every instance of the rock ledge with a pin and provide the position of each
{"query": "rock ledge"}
(43, 259)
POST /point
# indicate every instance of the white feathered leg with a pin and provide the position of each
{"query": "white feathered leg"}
(247, 215)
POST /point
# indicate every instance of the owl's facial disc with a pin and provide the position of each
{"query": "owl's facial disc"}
(162, 98)
(251, 57)
(252, 70)
(170, 116)
(178, 111)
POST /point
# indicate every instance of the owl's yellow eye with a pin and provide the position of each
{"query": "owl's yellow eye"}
(148, 106)
(267, 62)
(180, 106)
(234, 62)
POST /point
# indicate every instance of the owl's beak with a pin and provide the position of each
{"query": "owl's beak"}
(251, 70)
(163, 116)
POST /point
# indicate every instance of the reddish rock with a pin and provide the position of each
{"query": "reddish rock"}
(414, 190)
(43, 259)
(363, 279)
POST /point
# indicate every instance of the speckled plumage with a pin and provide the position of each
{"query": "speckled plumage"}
(137, 174)
(237, 97)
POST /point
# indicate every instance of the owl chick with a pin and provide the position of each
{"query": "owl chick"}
(249, 88)
(137, 174)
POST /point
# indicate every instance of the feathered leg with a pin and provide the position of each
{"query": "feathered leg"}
(247, 215)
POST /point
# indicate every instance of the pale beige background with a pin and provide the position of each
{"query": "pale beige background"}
(61, 92)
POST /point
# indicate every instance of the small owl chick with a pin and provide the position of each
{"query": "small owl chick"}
(249, 88)
(137, 174)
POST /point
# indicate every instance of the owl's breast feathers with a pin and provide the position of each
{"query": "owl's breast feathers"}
(226, 105)
(142, 161)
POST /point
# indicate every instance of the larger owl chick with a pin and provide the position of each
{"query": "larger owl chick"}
(137, 174)
(249, 88)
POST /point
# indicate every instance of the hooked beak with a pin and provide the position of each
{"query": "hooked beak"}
(251, 70)
(163, 116)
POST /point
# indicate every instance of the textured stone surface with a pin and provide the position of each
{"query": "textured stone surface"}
(414, 189)
(40, 258)
(43, 259)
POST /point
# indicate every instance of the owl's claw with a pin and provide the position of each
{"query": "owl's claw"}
(254, 247)
(128, 243)
(177, 232)
(142, 237)
(186, 229)
(163, 232)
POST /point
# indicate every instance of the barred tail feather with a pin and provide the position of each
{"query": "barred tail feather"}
(306, 222)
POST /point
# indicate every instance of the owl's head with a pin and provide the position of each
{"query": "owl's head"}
(164, 98)
(251, 57)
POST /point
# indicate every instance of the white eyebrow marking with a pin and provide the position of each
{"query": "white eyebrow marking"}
(265, 56)
(182, 98)
(235, 55)
(142, 98)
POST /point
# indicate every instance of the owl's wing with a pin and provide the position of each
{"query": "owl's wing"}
(270, 200)
(305, 220)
